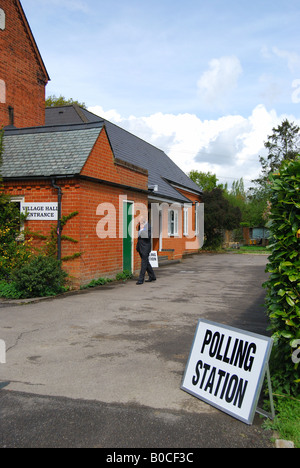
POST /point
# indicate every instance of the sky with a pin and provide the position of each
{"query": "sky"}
(205, 81)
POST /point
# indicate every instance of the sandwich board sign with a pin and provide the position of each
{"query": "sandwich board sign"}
(153, 259)
(226, 369)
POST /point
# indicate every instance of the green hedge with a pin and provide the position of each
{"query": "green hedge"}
(283, 286)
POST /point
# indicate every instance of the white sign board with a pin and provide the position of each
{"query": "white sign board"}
(153, 259)
(2, 352)
(2, 19)
(226, 368)
(40, 211)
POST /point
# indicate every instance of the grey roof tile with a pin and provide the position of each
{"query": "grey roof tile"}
(128, 147)
(41, 152)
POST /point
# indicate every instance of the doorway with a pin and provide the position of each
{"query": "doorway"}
(127, 236)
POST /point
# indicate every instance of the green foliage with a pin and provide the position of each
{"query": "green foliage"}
(9, 290)
(54, 101)
(1, 147)
(282, 145)
(125, 275)
(252, 204)
(13, 251)
(97, 282)
(40, 277)
(283, 286)
(50, 247)
(205, 180)
(287, 419)
(219, 214)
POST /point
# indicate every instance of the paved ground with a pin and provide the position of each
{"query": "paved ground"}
(104, 368)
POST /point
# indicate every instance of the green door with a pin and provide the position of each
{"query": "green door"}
(127, 236)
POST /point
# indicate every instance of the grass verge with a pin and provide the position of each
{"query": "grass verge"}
(287, 420)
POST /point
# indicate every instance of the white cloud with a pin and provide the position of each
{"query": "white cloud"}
(228, 147)
(216, 83)
(292, 58)
(296, 93)
(111, 115)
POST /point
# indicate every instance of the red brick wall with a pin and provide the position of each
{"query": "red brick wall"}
(102, 165)
(103, 256)
(100, 257)
(21, 71)
(181, 245)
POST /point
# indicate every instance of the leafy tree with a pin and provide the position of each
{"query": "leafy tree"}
(252, 205)
(205, 180)
(282, 145)
(219, 214)
(53, 101)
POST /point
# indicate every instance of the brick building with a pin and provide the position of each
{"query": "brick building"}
(23, 75)
(63, 160)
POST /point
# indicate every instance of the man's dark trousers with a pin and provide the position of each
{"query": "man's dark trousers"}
(146, 267)
(144, 248)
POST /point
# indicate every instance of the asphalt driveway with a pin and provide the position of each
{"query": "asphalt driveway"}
(103, 368)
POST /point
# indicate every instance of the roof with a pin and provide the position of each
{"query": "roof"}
(162, 171)
(44, 152)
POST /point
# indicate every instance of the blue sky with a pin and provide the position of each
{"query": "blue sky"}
(206, 81)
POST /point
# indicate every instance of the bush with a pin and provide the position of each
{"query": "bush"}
(125, 275)
(9, 290)
(283, 286)
(13, 252)
(97, 282)
(42, 276)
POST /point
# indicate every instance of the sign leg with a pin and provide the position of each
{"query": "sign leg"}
(261, 411)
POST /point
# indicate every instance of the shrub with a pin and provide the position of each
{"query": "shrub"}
(13, 251)
(283, 286)
(42, 276)
(9, 290)
(125, 275)
(97, 282)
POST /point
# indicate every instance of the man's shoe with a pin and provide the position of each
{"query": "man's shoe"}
(150, 280)
(139, 282)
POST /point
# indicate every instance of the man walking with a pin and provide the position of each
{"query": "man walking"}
(143, 247)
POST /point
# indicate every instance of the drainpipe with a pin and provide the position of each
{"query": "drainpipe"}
(59, 197)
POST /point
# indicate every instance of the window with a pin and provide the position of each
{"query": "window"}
(2, 19)
(185, 221)
(197, 218)
(173, 223)
(18, 201)
(2, 92)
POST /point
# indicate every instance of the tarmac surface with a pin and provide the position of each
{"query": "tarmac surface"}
(103, 368)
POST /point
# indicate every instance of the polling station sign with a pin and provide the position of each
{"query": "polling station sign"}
(226, 368)
(153, 259)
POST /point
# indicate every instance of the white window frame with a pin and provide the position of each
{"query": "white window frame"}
(197, 219)
(172, 223)
(20, 200)
(186, 221)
